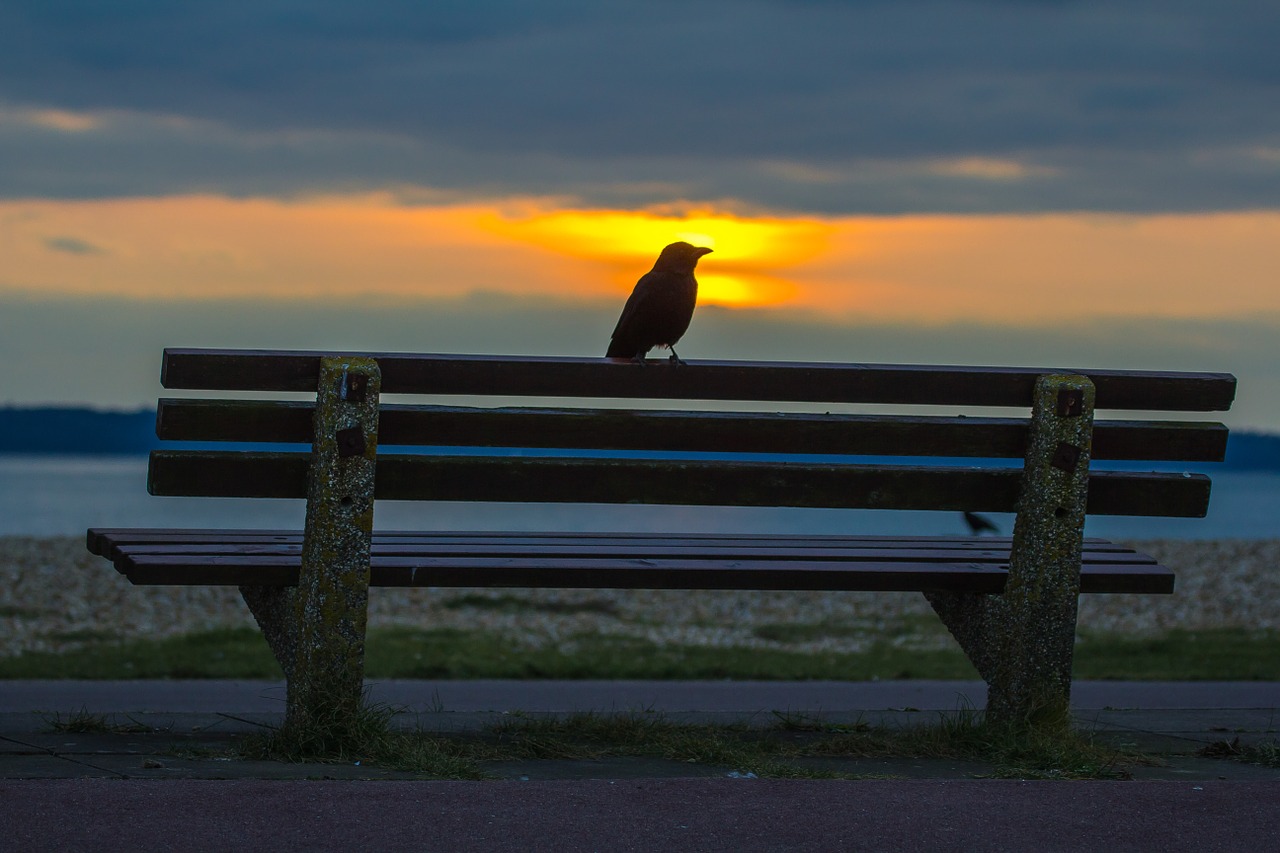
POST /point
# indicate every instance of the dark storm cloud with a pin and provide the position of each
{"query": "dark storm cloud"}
(854, 106)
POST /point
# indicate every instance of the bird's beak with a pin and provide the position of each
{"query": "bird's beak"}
(703, 251)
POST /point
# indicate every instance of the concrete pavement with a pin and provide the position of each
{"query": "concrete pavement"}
(175, 729)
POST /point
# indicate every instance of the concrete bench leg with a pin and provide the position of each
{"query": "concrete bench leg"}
(1022, 640)
(317, 629)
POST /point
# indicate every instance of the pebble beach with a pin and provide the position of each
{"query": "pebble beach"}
(54, 595)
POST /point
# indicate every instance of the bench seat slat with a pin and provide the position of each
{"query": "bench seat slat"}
(403, 373)
(905, 553)
(103, 541)
(604, 573)
(730, 432)
(142, 535)
(695, 483)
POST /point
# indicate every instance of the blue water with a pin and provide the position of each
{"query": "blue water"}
(64, 495)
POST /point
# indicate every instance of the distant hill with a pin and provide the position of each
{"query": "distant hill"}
(1252, 451)
(67, 430)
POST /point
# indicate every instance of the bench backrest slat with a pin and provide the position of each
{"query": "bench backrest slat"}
(730, 432)
(244, 370)
(585, 480)
(605, 452)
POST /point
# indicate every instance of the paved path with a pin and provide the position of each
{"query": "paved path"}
(642, 815)
(164, 727)
(713, 696)
(1195, 712)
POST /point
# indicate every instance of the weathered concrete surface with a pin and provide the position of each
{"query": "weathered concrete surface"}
(686, 814)
(273, 609)
(331, 605)
(263, 701)
(186, 729)
(1022, 641)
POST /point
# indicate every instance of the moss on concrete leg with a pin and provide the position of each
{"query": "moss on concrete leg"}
(330, 607)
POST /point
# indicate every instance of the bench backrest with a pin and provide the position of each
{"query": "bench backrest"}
(456, 454)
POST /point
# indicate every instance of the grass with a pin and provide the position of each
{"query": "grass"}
(370, 741)
(448, 653)
(1230, 654)
(220, 653)
(519, 604)
(1265, 754)
(86, 722)
(790, 749)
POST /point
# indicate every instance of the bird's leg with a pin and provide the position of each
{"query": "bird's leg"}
(638, 358)
(673, 358)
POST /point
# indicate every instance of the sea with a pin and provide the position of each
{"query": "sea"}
(50, 495)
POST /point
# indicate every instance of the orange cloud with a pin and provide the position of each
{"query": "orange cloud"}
(747, 267)
(1050, 268)
(63, 121)
(201, 247)
(1058, 268)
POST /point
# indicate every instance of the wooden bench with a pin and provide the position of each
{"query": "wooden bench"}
(1010, 602)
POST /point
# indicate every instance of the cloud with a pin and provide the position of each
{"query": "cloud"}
(988, 169)
(1130, 105)
(72, 246)
(62, 121)
(931, 269)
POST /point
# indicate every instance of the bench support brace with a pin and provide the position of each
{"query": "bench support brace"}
(272, 608)
(317, 629)
(1021, 641)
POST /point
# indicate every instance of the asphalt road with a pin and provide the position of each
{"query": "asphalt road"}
(684, 815)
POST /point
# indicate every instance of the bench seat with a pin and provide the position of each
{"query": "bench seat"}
(618, 561)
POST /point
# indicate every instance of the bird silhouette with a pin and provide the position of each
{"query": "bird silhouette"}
(979, 524)
(660, 307)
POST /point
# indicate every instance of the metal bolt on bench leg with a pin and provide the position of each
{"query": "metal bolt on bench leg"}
(331, 605)
(1022, 641)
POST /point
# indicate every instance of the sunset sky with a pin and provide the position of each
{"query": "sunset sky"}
(1082, 184)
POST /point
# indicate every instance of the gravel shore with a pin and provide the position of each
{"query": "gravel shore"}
(55, 595)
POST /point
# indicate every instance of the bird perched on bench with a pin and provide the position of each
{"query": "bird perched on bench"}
(979, 524)
(660, 307)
